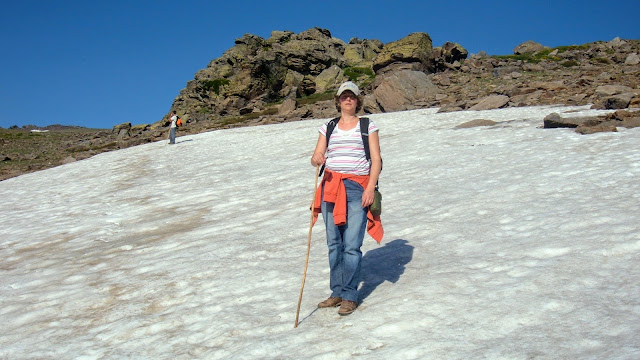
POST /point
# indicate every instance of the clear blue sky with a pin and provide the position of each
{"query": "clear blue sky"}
(102, 63)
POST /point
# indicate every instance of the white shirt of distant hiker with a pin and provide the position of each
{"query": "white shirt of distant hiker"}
(174, 118)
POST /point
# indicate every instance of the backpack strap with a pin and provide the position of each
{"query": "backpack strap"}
(330, 126)
(364, 131)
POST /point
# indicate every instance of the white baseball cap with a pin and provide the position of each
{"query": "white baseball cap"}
(348, 86)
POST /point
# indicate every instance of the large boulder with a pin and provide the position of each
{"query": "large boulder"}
(632, 59)
(612, 89)
(138, 130)
(412, 52)
(447, 55)
(287, 106)
(122, 130)
(614, 96)
(292, 80)
(620, 101)
(279, 37)
(528, 47)
(370, 105)
(311, 51)
(616, 42)
(329, 78)
(450, 52)
(362, 52)
(404, 90)
(491, 102)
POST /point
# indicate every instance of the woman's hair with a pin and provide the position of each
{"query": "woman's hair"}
(358, 107)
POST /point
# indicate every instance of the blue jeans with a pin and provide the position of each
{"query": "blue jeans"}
(172, 135)
(344, 243)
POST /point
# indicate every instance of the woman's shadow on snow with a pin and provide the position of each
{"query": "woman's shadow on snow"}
(382, 264)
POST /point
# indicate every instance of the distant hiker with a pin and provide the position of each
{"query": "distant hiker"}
(174, 128)
(347, 190)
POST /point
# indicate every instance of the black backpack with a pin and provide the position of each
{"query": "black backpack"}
(364, 131)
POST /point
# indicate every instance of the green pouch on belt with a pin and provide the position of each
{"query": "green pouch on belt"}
(376, 206)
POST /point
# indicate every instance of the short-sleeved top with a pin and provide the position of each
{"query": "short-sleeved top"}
(174, 118)
(345, 153)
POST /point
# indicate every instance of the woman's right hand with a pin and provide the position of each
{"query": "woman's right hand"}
(317, 159)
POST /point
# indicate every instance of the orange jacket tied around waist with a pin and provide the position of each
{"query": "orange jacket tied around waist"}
(335, 192)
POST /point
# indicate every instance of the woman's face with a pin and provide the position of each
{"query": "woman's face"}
(348, 101)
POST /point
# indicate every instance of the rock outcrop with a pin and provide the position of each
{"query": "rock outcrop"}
(289, 76)
(414, 52)
(250, 79)
(257, 72)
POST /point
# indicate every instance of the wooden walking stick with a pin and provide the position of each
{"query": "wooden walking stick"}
(306, 262)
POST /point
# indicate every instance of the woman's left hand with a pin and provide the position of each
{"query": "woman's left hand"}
(367, 197)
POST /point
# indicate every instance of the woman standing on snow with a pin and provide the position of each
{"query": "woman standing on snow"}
(347, 190)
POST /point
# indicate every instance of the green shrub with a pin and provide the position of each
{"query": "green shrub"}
(569, 63)
(353, 73)
(214, 84)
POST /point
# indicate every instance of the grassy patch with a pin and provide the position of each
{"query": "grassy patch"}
(569, 63)
(314, 98)
(23, 151)
(543, 54)
(353, 73)
(19, 134)
(523, 57)
(562, 49)
(231, 120)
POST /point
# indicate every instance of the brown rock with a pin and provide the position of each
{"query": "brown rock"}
(618, 102)
(68, 159)
(610, 90)
(415, 48)
(476, 123)
(632, 59)
(631, 122)
(585, 130)
(528, 47)
(287, 106)
(554, 120)
(403, 90)
(491, 102)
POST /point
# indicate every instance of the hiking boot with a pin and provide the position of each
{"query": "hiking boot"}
(330, 302)
(347, 307)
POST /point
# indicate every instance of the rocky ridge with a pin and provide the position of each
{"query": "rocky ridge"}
(292, 76)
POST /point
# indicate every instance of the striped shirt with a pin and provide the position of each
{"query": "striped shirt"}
(345, 153)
